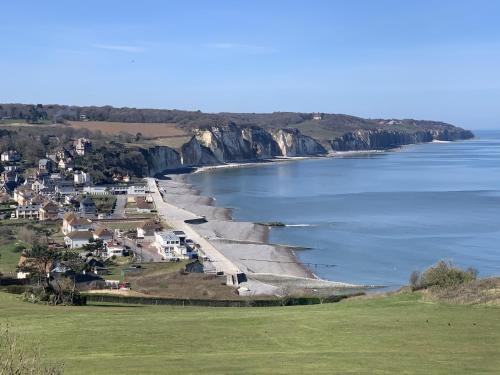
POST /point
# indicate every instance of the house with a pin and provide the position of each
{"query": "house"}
(148, 229)
(96, 266)
(23, 195)
(45, 165)
(73, 223)
(103, 233)
(49, 211)
(82, 146)
(64, 164)
(28, 211)
(83, 281)
(38, 186)
(10, 156)
(77, 239)
(143, 206)
(87, 207)
(169, 245)
(316, 116)
(81, 178)
(64, 188)
(113, 249)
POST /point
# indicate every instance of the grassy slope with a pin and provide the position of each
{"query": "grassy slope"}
(382, 335)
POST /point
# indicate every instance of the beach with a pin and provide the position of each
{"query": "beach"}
(270, 268)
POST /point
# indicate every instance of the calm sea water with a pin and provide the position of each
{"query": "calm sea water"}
(377, 217)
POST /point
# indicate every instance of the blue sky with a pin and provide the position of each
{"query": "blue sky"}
(393, 59)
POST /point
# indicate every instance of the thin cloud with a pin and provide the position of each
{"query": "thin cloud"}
(251, 48)
(121, 48)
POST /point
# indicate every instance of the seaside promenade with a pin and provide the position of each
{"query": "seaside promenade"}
(175, 217)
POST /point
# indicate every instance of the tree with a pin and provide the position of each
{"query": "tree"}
(23, 357)
(38, 262)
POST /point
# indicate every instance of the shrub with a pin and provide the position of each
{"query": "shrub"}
(442, 275)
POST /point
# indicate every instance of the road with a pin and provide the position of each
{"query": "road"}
(175, 216)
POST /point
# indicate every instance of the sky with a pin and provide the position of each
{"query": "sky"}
(423, 59)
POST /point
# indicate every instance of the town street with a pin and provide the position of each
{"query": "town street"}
(175, 216)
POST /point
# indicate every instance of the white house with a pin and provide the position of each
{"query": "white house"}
(81, 178)
(113, 249)
(169, 245)
(28, 211)
(77, 239)
(10, 155)
(73, 223)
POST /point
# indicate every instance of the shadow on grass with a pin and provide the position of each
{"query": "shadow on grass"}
(97, 304)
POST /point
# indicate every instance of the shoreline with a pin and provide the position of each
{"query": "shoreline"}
(270, 268)
(282, 159)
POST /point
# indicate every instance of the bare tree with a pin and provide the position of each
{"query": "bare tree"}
(20, 357)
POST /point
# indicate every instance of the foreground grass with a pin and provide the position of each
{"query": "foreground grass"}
(373, 336)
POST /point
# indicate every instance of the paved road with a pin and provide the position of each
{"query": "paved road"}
(175, 217)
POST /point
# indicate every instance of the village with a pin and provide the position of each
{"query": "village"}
(115, 228)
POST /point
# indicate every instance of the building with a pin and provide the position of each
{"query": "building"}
(81, 178)
(23, 195)
(87, 207)
(169, 245)
(77, 239)
(82, 146)
(38, 186)
(316, 116)
(103, 233)
(143, 206)
(73, 223)
(45, 165)
(148, 228)
(65, 164)
(96, 190)
(113, 249)
(10, 156)
(28, 211)
(49, 211)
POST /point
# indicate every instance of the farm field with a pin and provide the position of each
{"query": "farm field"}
(148, 130)
(399, 334)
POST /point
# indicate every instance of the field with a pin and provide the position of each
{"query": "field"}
(384, 335)
(148, 130)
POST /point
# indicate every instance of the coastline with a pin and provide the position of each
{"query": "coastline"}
(270, 268)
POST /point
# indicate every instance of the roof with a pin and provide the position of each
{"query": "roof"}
(149, 225)
(80, 235)
(167, 236)
(72, 219)
(68, 216)
(50, 206)
(103, 232)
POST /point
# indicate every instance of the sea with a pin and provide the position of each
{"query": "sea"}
(374, 218)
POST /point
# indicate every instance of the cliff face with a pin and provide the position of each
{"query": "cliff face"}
(385, 139)
(221, 144)
(212, 145)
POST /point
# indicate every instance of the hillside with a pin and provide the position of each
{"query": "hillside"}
(148, 141)
(362, 336)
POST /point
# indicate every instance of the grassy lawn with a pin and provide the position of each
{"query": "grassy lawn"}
(387, 335)
(104, 203)
(9, 258)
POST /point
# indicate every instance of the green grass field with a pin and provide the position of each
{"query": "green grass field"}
(387, 335)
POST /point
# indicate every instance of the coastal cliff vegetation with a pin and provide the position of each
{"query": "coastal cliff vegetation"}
(142, 142)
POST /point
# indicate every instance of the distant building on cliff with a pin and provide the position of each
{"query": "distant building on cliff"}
(83, 146)
(316, 116)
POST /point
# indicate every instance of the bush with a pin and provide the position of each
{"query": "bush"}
(442, 275)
